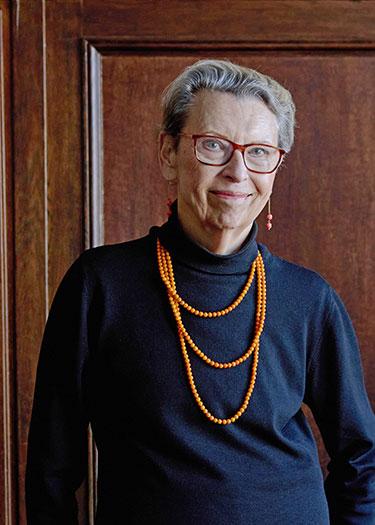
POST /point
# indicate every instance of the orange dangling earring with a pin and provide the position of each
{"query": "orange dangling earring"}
(169, 204)
(169, 200)
(269, 216)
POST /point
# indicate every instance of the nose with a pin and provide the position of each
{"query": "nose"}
(236, 169)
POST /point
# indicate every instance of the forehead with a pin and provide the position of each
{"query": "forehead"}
(238, 118)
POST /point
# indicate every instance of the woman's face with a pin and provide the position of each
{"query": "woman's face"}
(221, 197)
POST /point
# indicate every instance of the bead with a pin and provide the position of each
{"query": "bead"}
(167, 276)
(269, 226)
(269, 216)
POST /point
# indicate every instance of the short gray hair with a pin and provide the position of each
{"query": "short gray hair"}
(225, 76)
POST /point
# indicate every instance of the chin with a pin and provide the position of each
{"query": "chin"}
(231, 221)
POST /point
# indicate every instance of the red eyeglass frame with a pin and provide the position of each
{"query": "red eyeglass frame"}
(240, 147)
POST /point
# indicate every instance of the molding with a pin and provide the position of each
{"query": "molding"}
(8, 492)
(93, 140)
(105, 45)
(93, 205)
(258, 21)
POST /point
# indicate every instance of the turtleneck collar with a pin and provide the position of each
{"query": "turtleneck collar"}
(185, 250)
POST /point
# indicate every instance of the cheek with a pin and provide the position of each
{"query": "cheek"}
(194, 177)
(265, 184)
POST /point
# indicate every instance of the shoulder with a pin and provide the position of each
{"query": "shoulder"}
(296, 273)
(109, 261)
(295, 283)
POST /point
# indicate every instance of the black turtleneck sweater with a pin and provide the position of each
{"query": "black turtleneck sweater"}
(111, 357)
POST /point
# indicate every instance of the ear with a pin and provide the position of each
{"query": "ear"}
(167, 156)
(283, 159)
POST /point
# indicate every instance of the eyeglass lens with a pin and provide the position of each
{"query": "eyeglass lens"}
(216, 151)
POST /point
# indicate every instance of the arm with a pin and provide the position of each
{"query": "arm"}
(337, 396)
(57, 440)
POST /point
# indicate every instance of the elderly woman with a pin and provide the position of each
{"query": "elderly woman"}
(191, 350)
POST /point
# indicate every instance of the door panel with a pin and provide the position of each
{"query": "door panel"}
(321, 197)
(86, 83)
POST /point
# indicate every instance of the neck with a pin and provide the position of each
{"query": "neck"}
(217, 241)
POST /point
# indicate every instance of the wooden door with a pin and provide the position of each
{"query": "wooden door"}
(82, 82)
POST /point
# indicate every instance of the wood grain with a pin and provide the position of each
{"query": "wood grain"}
(30, 220)
(8, 436)
(85, 88)
(329, 22)
(48, 174)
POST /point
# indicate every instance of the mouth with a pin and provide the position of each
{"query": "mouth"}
(231, 195)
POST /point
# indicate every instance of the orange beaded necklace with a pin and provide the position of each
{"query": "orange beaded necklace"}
(167, 276)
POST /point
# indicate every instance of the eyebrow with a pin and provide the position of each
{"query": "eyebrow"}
(215, 133)
(220, 135)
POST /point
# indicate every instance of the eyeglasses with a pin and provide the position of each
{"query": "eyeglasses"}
(217, 151)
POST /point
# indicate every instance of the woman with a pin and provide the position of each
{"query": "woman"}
(191, 350)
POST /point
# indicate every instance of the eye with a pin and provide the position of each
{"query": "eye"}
(214, 145)
(258, 151)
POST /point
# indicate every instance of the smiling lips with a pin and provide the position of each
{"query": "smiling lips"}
(231, 194)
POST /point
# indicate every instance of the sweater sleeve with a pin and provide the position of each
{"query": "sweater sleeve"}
(57, 439)
(336, 394)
